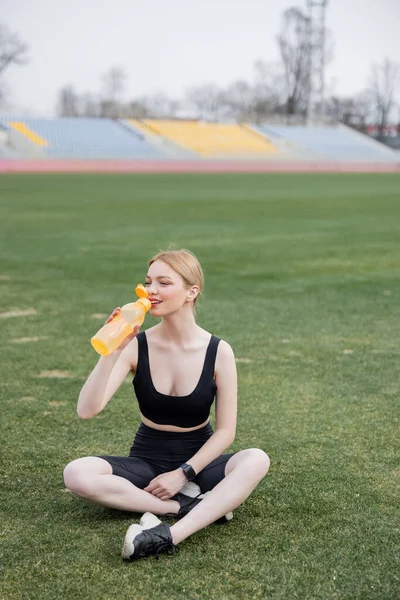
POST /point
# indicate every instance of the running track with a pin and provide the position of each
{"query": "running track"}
(203, 166)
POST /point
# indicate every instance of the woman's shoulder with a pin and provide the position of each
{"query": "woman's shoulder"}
(223, 346)
(225, 362)
(151, 331)
(225, 349)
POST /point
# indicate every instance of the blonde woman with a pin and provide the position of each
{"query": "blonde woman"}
(179, 369)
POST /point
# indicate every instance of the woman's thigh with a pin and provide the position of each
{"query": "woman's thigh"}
(213, 473)
(136, 470)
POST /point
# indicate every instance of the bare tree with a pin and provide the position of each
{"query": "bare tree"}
(67, 102)
(138, 109)
(237, 101)
(89, 105)
(113, 86)
(12, 52)
(294, 42)
(158, 106)
(363, 109)
(354, 111)
(294, 47)
(384, 82)
(340, 109)
(269, 90)
(206, 101)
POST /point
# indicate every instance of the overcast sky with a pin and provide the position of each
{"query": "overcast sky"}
(170, 45)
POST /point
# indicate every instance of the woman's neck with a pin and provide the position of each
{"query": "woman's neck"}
(179, 327)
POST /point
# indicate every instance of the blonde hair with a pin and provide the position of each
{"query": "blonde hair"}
(186, 265)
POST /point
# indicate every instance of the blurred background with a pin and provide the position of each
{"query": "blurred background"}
(151, 71)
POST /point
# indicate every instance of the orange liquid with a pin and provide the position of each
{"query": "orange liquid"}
(111, 336)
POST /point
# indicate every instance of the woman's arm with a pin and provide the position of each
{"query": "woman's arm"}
(105, 380)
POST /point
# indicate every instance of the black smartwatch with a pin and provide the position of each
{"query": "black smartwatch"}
(189, 471)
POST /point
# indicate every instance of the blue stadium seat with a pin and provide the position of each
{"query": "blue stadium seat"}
(329, 142)
(88, 138)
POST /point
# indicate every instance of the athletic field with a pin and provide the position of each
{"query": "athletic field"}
(302, 279)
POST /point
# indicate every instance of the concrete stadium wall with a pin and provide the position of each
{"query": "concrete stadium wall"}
(226, 166)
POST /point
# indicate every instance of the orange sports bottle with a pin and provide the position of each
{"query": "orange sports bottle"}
(111, 335)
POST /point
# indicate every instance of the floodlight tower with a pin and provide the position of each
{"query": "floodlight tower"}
(316, 22)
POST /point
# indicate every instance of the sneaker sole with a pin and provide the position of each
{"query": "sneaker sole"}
(128, 548)
(227, 517)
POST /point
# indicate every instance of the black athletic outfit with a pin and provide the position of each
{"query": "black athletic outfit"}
(154, 452)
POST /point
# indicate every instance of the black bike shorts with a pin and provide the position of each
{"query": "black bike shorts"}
(154, 452)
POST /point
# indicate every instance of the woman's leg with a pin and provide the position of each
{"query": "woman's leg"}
(243, 472)
(92, 478)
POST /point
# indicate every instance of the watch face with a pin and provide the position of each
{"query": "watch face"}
(189, 471)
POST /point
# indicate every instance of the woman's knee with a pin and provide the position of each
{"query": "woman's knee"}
(75, 476)
(262, 460)
(80, 473)
(255, 461)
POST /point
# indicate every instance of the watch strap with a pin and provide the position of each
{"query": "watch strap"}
(189, 471)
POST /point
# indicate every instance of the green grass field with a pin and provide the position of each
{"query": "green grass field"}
(302, 279)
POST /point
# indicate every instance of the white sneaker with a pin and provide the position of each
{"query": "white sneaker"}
(128, 548)
(190, 489)
(149, 520)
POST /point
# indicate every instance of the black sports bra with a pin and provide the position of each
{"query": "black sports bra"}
(181, 411)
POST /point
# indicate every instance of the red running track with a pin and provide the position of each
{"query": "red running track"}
(165, 166)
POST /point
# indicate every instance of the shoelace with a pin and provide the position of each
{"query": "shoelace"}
(166, 546)
(188, 503)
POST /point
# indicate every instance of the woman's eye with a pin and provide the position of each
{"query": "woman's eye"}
(162, 283)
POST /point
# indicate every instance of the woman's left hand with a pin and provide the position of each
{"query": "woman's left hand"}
(167, 485)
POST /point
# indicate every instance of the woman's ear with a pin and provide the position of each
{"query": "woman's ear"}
(193, 292)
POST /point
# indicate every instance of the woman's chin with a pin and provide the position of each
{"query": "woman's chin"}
(162, 311)
(155, 310)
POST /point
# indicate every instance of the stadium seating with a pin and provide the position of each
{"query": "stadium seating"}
(5, 153)
(86, 138)
(82, 138)
(211, 139)
(338, 142)
(33, 137)
(168, 147)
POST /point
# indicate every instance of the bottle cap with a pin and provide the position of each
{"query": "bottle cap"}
(143, 295)
(141, 291)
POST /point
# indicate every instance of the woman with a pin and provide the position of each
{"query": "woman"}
(178, 369)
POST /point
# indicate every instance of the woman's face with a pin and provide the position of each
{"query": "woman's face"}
(166, 289)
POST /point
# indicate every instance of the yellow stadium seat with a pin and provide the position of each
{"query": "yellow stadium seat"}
(210, 139)
(28, 133)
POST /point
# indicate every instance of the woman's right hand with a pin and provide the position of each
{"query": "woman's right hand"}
(115, 313)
